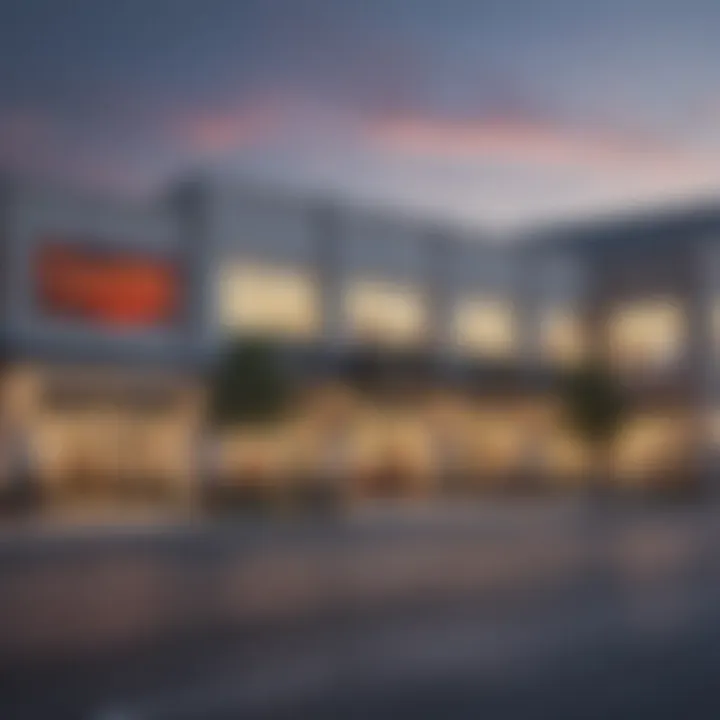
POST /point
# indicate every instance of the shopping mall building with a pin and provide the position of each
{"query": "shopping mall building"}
(114, 311)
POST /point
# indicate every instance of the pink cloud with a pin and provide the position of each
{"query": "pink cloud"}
(530, 143)
(218, 132)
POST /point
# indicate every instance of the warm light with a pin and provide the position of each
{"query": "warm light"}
(266, 299)
(561, 336)
(384, 312)
(485, 325)
(650, 444)
(646, 335)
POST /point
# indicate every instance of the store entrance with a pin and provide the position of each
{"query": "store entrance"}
(107, 454)
(115, 440)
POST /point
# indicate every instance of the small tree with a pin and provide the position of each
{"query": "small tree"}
(249, 385)
(594, 408)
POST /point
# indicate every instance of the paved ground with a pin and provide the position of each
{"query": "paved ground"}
(504, 611)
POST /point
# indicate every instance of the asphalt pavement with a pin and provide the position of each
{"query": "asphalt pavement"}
(511, 610)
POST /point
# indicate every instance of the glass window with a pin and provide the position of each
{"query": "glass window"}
(384, 312)
(268, 300)
(485, 326)
(647, 335)
(649, 445)
(561, 336)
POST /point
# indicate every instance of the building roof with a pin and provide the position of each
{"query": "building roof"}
(659, 228)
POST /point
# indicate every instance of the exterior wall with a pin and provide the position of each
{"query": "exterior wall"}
(88, 431)
(228, 225)
(485, 276)
(209, 226)
(40, 347)
(376, 251)
(668, 277)
(560, 285)
(338, 248)
(36, 214)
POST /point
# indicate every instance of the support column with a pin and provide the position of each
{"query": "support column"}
(327, 228)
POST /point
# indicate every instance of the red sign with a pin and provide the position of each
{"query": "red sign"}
(114, 288)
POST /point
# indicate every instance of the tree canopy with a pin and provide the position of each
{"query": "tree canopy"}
(249, 385)
(593, 403)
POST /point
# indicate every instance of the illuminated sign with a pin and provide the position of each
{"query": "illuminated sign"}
(115, 288)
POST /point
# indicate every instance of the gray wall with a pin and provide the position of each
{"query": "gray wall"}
(35, 214)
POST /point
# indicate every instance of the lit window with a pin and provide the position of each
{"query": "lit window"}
(384, 313)
(262, 299)
(563, 456)
(561, 336)
(497, 439)
(650, 445)
(646, 335)
(485, 326)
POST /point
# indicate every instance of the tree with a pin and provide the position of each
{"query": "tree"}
(594, 408)
(249, 384)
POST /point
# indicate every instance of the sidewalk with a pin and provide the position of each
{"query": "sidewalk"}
(92, 521)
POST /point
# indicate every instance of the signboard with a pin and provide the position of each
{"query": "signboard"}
(106, 287)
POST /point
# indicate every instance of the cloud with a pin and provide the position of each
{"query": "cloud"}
(214, 133)
(532, 143)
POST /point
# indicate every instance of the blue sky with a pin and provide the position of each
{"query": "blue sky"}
(500, 113)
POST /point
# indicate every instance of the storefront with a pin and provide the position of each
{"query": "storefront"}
(103, 433)
(101, 382)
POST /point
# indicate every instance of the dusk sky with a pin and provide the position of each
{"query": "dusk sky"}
(502, 113)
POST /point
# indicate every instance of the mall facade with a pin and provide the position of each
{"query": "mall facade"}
(114, 311)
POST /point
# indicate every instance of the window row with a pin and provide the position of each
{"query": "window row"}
(256, 299)
(643, 335)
